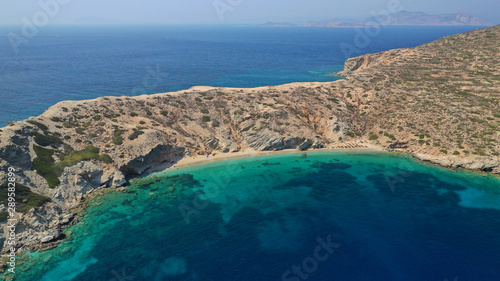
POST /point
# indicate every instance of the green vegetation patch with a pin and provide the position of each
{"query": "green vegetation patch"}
(135, 134)
(74, 157)
(392, 137)
(81, 131)
(43, 164)
(117, 137)
(38, 124)
(46, 167)
(47, 139)
(25, 199)
(105, 158)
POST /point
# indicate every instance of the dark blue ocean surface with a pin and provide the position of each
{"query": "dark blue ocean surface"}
(74, 63)
(330, 216)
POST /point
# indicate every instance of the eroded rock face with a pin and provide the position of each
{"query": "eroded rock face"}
(267, 140)
(14, 145)
(161, 154)
(360, 63)
(39, 226)
(82, 178)
(478, 163)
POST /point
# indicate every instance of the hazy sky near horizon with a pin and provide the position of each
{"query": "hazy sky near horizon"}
(225, 11)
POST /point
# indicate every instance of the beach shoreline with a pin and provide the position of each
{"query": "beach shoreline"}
(202, 159)
(249, 153)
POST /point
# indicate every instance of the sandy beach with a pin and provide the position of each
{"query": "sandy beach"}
(248, 152)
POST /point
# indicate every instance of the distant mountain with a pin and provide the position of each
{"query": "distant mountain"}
(421, 18)
(399, 18)
(99, 21)
(282, 24)
(333, 24)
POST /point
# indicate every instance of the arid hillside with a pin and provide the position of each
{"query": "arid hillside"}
(442, 97)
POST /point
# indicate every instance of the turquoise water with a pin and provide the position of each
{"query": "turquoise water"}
(337, 215)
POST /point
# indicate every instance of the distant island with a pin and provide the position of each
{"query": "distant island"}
(399, 18)
(438, 102)
(281, 24)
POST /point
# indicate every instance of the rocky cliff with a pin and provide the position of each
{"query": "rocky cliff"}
(439, 102)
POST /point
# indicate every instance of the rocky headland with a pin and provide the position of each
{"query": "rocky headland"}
(439, 102)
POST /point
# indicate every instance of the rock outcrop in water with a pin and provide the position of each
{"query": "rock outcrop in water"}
(439, 101)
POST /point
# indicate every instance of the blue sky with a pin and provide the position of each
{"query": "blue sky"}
(227, 11)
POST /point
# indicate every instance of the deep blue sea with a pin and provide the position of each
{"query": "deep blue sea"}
(349, 216)
(74, 63)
